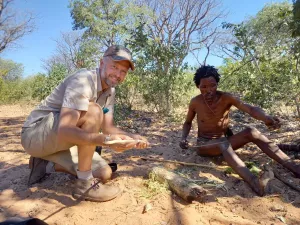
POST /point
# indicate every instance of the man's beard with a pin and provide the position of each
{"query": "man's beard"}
(109, 83)
(104, 76)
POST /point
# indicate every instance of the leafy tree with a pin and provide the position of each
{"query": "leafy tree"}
(162, 41)
(295, 24)
(13, 25)
(263, 62)
(10, 70)
(105, 21)
(37, 85)
(13, 87)
(44, 84)
(157, 84)
(160, 33)
(296, 18)
(129, 91)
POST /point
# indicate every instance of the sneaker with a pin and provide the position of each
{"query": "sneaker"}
(20, 221)
(93, 190)
(38, 169)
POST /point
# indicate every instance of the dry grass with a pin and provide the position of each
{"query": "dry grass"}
(152, 187)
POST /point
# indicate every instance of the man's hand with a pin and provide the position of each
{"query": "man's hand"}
(121, 142)
(184, 144)
(142, 141)
(273, 122)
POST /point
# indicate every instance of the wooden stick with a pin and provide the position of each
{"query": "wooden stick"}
(283, 180)
(122, 142)
(176, 162)
(287, 148)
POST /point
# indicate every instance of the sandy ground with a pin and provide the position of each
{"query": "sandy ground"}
(232, 202)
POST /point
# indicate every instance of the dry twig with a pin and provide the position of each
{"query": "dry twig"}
(176, 162)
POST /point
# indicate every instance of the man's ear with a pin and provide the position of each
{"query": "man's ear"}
(101, 62)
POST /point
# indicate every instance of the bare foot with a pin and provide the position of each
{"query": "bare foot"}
(264, 179)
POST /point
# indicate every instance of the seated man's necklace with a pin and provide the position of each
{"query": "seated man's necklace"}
(208, 106)
(212, 110)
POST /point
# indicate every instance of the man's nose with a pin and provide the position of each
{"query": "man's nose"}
(118, 74)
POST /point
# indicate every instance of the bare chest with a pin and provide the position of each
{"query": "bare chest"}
(212, 113)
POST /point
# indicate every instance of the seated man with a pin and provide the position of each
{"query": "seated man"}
(212, 110)
(61, 134)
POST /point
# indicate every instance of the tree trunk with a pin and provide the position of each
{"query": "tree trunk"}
(183, 187)
(286, 181)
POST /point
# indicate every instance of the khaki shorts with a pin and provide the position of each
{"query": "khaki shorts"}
(40, 140)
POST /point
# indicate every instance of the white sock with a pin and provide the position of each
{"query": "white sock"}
(50, 167)
(84, 175)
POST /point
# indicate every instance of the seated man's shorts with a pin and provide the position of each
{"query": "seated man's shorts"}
(40, 140)
(208, 146)
(203, 141)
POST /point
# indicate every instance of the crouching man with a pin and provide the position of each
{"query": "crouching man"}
(62, 132)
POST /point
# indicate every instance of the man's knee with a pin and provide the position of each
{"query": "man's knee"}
(224, 146)
(252, 133)
(95, 110)
(92, 119)
(104, 173)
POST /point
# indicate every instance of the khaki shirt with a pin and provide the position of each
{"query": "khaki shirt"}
(75, 92)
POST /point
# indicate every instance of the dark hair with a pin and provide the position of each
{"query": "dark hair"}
(204, 72)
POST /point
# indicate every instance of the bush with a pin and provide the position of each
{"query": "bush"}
(14, 91)
(129, 92)
(43, 84)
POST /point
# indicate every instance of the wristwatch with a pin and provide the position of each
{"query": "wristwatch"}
(107, 138)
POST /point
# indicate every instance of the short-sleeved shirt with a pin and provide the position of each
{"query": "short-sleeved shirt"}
(75, 92)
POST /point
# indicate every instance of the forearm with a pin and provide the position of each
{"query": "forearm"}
(79, 136)
(186, 130)
(259, 114)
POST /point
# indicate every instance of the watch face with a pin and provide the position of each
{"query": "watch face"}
(107, 138)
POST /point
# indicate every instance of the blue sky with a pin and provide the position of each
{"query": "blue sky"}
(53, 17)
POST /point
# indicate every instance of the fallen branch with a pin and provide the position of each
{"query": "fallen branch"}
(176, 162)
(182, 186)
(285, 181)
(288, 148)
